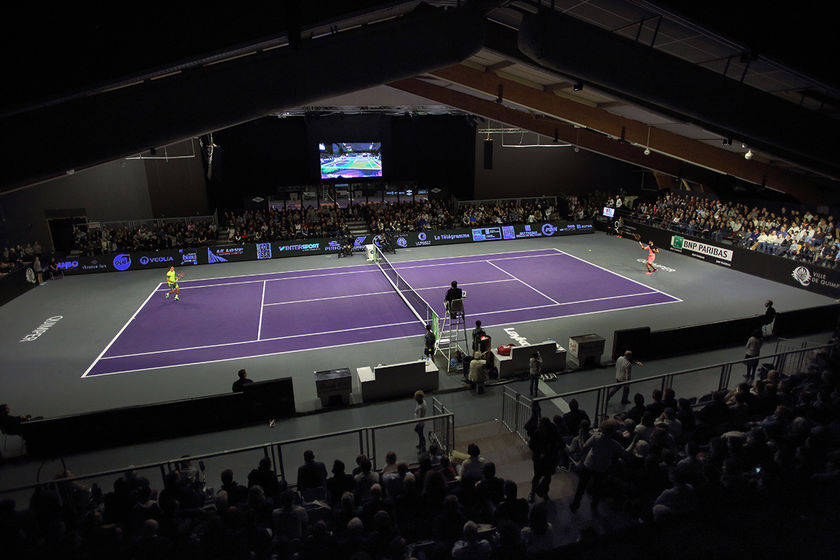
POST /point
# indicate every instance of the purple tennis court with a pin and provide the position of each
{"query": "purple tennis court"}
(248, 316)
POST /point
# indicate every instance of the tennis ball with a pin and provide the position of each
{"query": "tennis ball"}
(590, 250)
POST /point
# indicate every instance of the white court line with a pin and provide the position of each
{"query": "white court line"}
(262, 306)
(468, 284)
(276, 279)
(569, 315)
(257, 355)
(479, 259)
(523, 282)
(556, 304)
(616, 274)
(330, 297)
(254, 341)
(99, 357)
(365, 265)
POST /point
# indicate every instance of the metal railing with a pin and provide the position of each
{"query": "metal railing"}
(793, 358)
(344, 444)
(516, 411)
(443, 428)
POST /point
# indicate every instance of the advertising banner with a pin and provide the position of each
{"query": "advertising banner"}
(794, 273)
(215, 254)
(714, 253)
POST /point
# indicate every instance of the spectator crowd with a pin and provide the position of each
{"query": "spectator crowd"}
(801, 235)
(433, 509)
(773, 442)
(144, 237)
(325, 221)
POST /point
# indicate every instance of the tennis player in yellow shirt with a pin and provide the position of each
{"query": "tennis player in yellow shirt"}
(172, 281)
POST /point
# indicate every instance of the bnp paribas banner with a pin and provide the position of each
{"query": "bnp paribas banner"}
(713, 253)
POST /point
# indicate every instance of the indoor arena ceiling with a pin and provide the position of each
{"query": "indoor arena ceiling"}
(616, 77)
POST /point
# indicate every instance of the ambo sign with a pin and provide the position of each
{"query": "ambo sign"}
(679, 244)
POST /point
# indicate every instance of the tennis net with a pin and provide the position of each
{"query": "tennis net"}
(422, 310)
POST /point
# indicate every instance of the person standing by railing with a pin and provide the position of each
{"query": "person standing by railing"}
(419, 415)
(623, 368)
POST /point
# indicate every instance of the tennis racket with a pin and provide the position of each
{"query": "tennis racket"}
(637, 236)
(181, 276)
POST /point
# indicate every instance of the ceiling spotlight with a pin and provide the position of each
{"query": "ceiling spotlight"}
(748, 155)
(578, 85)
(647, 151)
(577, 149)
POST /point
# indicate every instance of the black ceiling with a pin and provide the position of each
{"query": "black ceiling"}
(59, 61)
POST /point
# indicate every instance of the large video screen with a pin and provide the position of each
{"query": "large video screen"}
(350, 160)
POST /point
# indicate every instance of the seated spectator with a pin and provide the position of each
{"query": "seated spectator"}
(669, 399)
(392, 483)
(265, 477)
(289, 520)
(638, 409)
(319, 543)
(668, 418)
(339, 483)
(448, 521)
(656, 406)
(391, 462)
(311, 477)
(512, 508)
(236, 493)
(424, 466)
(685, 414)
(381, 535)
(490, 491)
(470, 547)
(472, 467)
(715, 413)
(53, 272)
(363, 481)
(374, 503)
(434, 456)
(358, 468)
(678, 500)
(434, 491)
(644, 431)
(508, 542)
(353, 540)
(343, 512)
(538, 536)
(406, 506)
(239, 384)
(10, 424)
(447, 470)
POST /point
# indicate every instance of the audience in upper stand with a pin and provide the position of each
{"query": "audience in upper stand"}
(325, 221)
(144, 237)
(802, 235)
(16, 256)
